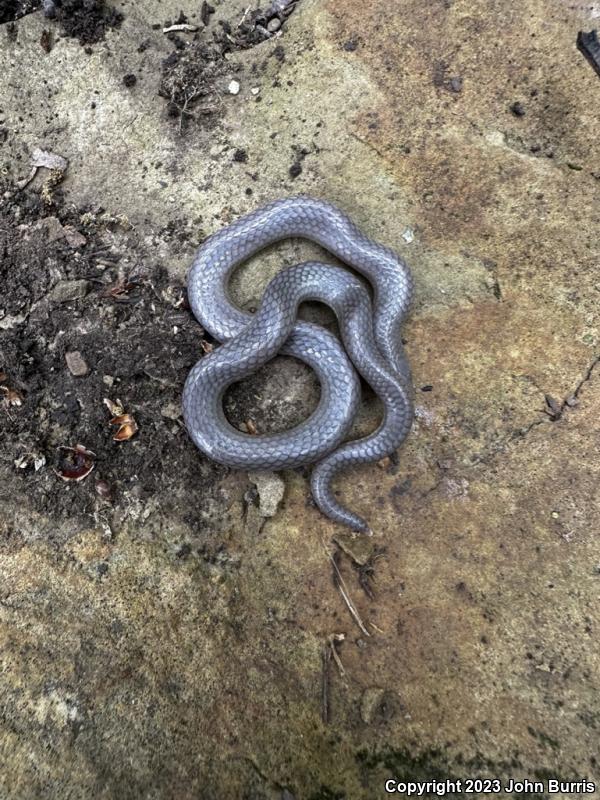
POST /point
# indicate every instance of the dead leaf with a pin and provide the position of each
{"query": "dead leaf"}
(127, 427)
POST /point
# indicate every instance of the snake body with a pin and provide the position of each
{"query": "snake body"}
(370, 332)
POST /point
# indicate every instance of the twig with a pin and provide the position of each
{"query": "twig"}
(333, 640)
(346, 596)
(325, 676)
(245, 14)
(182, 26)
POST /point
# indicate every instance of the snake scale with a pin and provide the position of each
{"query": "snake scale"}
(370, 333)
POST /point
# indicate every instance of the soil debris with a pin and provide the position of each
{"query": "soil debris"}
(192, 75)
(37, 330)
(11, 10)
(190, 78)
(87, 20)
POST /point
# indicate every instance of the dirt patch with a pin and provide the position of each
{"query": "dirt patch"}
(15, 9)
(86, 20)
(194, 74)
(190, 82)
(86, 315)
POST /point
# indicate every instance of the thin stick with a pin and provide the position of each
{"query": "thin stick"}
(326, 660)
(346, 596)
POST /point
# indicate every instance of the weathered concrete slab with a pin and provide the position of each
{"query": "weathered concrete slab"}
(147, 655)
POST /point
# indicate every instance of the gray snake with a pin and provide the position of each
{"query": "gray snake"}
(370, 332)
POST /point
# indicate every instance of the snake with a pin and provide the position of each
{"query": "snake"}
(369, 321)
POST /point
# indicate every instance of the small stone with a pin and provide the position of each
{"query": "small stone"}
(273, 25)
(408, 235)
(255, 90)
(234, 87)
(65, 291)
(54, 229)
(270, 488)
(240, 156)
(456, 84)
(129, 80)
(517, 109)
(73, 237)
(108, 380)
(76, 364)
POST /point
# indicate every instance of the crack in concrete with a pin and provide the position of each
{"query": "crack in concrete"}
(554, 413)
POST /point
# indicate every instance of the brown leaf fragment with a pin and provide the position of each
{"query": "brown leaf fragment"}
(120, 289)
(46, 40)
(11, 396)
(127, 427)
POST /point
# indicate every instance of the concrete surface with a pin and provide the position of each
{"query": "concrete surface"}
(168, 677)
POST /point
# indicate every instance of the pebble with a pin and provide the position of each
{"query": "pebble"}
(255, 89)
(54, 229)
(69, 290)
(408, 235)
(234, 87)
(76, 364)
(270, 488)
(273, 25)
(73, 237)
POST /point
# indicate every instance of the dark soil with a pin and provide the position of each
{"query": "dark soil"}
(135, 332)
(14, 9)
(139, 341)
(86, 20)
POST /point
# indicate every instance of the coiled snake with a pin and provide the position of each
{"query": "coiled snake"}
(370, 332)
